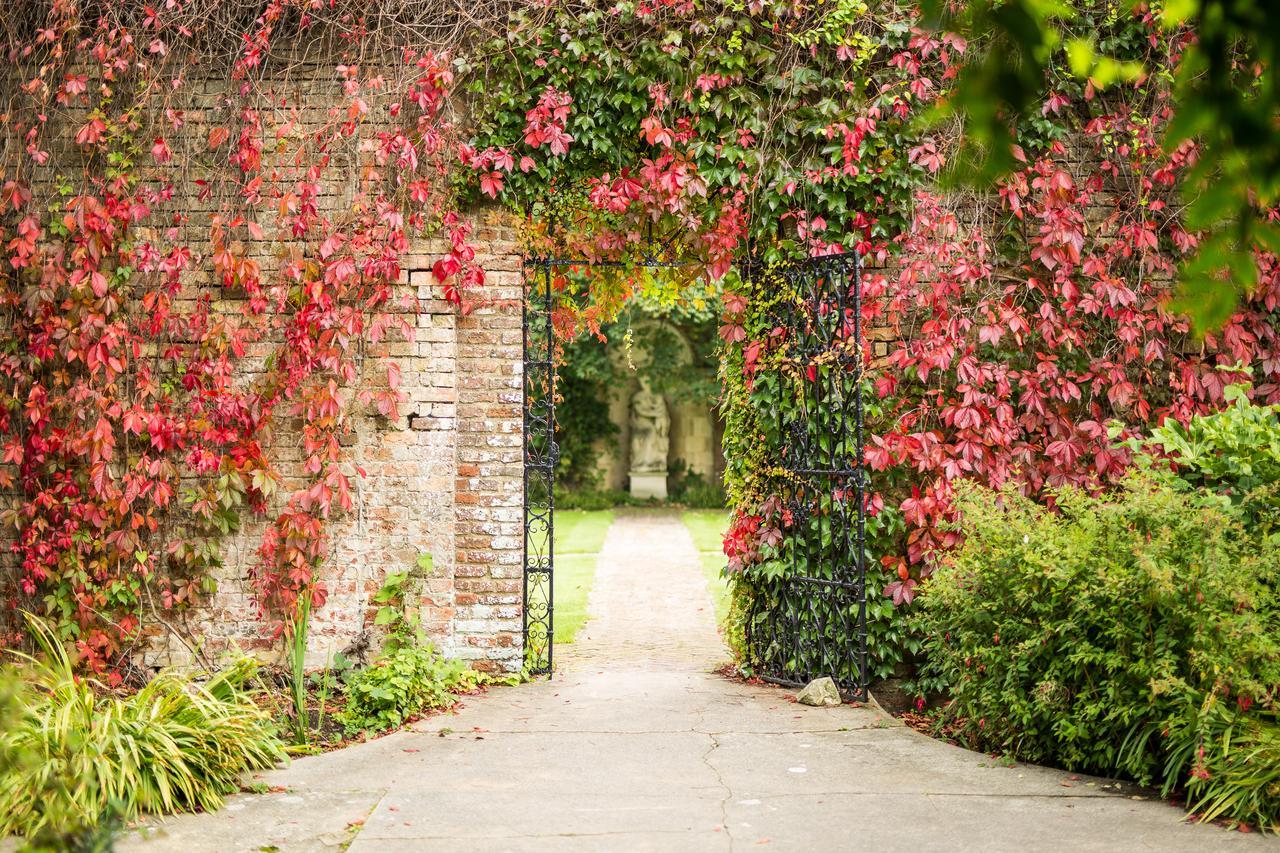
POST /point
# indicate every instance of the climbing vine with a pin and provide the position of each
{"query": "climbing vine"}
(702, 131)
(768, 129)
(198, 248)
(206, 214)
(1031, 338)
(1024, 333)
(1014, 326)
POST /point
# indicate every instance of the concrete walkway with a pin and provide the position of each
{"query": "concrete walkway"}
(636, 746)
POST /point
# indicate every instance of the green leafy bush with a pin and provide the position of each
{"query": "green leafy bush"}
(1106, 637)
(76, 757)
(409, 677)
(690, 488)
(400, 685)
(594, 499)
(1235, 452)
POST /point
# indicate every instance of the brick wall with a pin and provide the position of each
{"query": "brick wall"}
(444, 478)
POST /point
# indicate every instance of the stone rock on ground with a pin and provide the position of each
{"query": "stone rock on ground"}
(635, 745)
(820, 693)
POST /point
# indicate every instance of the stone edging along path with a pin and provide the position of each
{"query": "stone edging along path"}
(637, 745)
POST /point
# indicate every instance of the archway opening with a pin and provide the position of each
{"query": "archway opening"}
(803, 615)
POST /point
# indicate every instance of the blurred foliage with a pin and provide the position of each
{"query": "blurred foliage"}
(663, 340)
(593, 499)
(584, 430)
(1224, 99)
(692, 489)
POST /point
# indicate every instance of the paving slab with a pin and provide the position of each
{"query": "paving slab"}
(637, 744)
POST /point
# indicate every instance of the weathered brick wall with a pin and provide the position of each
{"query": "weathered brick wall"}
(444, 478)
(489, 491)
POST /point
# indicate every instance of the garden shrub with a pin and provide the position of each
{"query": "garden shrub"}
(1124, 634)
(593, 500)
(400, 685)
(690, 488)
(409, 677)
(1235, 452)
(74, 758)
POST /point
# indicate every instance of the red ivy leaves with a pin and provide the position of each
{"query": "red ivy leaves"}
(545, 123)
(123, 400)
(1001, 375)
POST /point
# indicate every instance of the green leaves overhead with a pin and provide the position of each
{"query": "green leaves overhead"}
(797, 108)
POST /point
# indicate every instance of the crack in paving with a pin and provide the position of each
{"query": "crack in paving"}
(728, 791)
(535, 834)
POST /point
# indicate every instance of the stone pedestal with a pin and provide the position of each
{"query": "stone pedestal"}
(650, 484)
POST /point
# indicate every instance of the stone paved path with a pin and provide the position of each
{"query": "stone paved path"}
(635, 745)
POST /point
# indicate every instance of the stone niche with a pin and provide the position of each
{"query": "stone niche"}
(641, 465)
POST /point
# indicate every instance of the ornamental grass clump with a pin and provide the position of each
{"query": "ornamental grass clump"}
(77, 757)
(1135, 633)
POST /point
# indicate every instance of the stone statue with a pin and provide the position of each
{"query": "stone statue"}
(650, 425)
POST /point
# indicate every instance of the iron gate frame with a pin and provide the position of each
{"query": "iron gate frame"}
(540, 451)
(817, 625)
(847, 584)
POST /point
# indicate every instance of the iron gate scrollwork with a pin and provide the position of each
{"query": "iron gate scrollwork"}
(808, 618)
(540, 455)
(541, 452)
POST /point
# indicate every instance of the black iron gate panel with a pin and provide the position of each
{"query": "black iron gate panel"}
(540, 453)
(809, 619)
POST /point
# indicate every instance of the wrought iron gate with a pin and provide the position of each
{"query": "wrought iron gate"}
(810, 619)
(540, 455)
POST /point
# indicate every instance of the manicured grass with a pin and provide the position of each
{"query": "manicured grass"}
(581, 531)
(579, 537)
(707, 526)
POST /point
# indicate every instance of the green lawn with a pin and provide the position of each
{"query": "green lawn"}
(707, 526)
(579, 537)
